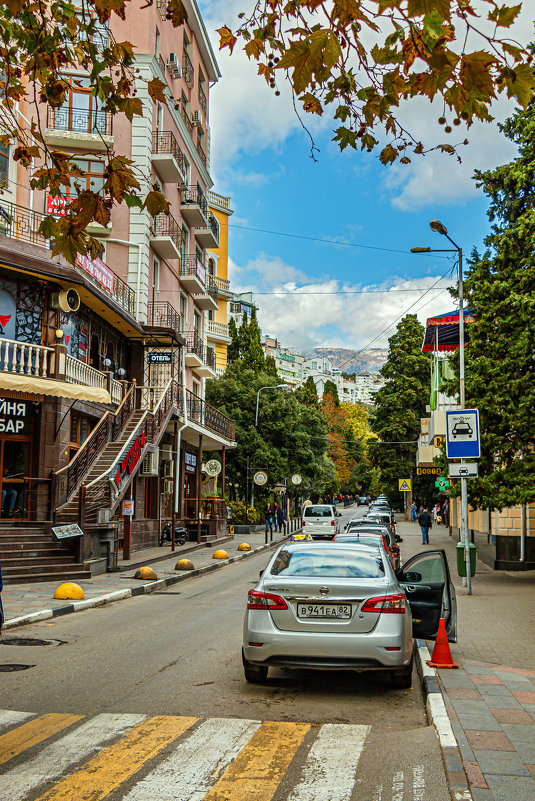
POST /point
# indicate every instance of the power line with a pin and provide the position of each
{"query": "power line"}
(321, 241)
(344, 291)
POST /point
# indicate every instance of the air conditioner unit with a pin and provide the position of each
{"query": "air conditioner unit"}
(168, 469)
(166, 452)
(149, 466)
(196, 118)
(173, 67)
(168, 486)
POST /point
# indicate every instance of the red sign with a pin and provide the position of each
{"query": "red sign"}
(57, 204)
(201, 271)
(97, 270)
(130, 459)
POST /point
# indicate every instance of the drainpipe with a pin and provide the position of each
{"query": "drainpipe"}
(179, 431)
(28, 123)
(137, 245)
(523, 533)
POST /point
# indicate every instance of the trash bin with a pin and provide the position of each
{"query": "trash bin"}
(461, 564)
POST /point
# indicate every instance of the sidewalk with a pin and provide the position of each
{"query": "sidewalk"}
(490, 699)
(27, 603)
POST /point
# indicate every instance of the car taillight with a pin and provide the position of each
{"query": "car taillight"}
(332, 522)
(303, 523)
(394, 604)
(265, 600)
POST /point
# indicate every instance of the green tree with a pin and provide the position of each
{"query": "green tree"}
(330, 388)
(400, 404)
(500, 362)
(251, 350)
(233, 350)
(309, 393)
(271, 366)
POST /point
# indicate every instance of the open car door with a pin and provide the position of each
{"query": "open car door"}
(427, 583)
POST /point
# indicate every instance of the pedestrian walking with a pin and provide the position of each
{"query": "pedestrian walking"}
(306, 503)
(414, 512)
(446, 513)
(268, 517)
(425, 522)
(281, 519)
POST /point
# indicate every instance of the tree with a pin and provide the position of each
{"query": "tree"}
(330, 388)
(251, 351)
(233, 350)
(360, 59)
(500, 290)
(400, 403)
(271, 366)
(309, 393)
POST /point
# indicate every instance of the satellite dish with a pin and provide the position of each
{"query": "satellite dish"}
(260, 478)
(212, 468)
(296, 479)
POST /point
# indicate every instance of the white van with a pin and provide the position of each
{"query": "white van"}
(321, 521)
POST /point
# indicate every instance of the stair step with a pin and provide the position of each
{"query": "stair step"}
(15, 539)
(31, 578)
(31, 561)
(14, 551)
(48, 568)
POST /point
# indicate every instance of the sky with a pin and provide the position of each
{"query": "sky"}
(317, 293)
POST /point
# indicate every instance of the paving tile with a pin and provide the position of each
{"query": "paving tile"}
(474, 775)
(503, 702)
(494, 689)
(454, 678)
(531, 769)
(526, 752)
(479, 722)
(469, 706)
(452, 713)
(481, 795)
(489, 740)
(500, 763)
(530, 709)
(524, 697)
(487, 679)
(511, 788)
(511, 715)
(478, 667)
(515, 676)
(466, 693)
(464, 747)
(520, 732)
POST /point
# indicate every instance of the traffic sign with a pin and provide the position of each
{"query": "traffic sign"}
(465, 470)
(462, 434)
(404, 484)
(442, 483)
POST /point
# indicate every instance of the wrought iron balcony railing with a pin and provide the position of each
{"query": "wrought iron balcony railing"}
(208, 416)
(80, 120)
(211, 287)
(193, 266)
(166, 225)
(214, 225)
(162, 314)
(202, 99)
(194, 344)
(165, 142)
(188, 73)
(209, 358)
(194, 194)
(202, 154)
(161, 64)
(187, 120)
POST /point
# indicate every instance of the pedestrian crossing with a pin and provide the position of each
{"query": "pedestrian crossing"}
(68, 757)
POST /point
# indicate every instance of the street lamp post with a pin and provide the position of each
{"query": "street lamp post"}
(439, 228)
(276, 386)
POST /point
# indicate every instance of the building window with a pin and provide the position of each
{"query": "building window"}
(211, 267)
(78, 433)
(196, 321)
(82, 111)
(4, 166)
(93, 180)
(157, 43)
(183, 310)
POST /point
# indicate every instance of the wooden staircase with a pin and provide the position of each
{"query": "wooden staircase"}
(28, 555)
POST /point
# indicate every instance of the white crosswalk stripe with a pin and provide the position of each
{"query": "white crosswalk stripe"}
(195, 766)
(329, 771)
(55, 759)
(10, 718)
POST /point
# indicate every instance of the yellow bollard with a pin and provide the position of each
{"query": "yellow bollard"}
(244, 546)
(145, 573)
(69, 591)
(220, 555)
(184, 564)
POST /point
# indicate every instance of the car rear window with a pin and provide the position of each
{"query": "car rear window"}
(365, 539)
(318, 511)
(323, 563)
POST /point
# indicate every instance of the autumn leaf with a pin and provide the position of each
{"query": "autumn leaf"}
(419, 8)
(311, 103)
(130, 106)
(520, 83)
(176, 12)
(388, 154)
(155, 88)
(311, 56)
(504, 16)
(474, 72)
(156, 203)
(226, 38)
(255, 48)
(119, 178)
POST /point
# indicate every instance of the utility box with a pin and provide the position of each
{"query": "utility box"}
(461, 564)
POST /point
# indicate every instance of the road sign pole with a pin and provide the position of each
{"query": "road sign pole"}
(464, 480)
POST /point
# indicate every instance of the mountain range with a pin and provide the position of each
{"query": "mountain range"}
(353, 361)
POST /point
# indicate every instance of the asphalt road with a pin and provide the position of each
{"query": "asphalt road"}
(177, 652)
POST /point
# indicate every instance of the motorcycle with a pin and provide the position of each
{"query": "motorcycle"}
(181, 534)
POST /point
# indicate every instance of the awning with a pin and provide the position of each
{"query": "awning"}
(46, 386)
(442, 331)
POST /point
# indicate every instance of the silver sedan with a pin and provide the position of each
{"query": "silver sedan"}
(340, 606)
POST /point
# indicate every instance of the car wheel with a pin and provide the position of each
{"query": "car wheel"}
(402, 679)
(254, 674)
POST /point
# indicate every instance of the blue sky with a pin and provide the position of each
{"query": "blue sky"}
(307, 291)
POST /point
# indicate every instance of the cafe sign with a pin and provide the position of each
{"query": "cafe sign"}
(14, 417)
(131, 458)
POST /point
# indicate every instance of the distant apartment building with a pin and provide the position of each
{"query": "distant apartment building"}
(289, 364)
(240, 305)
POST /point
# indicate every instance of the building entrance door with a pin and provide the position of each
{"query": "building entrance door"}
(15, 462)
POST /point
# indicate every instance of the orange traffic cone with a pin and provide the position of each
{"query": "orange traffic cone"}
(441, 656)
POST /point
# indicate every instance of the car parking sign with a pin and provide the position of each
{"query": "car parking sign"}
(462, 434)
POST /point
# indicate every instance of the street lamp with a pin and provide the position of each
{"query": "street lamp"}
(440, 228)
(276, 386)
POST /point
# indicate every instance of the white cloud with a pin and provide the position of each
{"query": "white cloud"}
(305, 313)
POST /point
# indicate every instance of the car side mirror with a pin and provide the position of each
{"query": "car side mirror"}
(398, 538)
(411, 577)
(261, 574)
(339, 514)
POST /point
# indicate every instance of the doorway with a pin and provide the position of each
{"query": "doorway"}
(15, 461)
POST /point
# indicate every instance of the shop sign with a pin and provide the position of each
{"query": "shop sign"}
(96, 268)
(67, 531)
(201, 271)
(130, 459)
(190, 462)
(14, 417)
(57, 204)
(128, 508)
(428, 471)
(153, 357)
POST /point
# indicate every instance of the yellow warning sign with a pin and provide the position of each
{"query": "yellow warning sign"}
(404, 484)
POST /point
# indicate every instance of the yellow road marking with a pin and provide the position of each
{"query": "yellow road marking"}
(259, 767)
(32, 733)
(114, 765)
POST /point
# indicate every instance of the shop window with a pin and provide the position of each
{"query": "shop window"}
(79, 431)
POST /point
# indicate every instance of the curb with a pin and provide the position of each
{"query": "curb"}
(438, 716)
(131, 592)
(184, 549)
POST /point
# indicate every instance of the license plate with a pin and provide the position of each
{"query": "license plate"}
(336, 611)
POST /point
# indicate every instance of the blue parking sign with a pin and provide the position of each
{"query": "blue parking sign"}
(462, 434)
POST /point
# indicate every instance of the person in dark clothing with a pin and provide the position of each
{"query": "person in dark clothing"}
(268, 516)
(281, 518)
(425, 522)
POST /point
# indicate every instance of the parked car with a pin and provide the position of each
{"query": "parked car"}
(362, 500)
(341, 606)
(384, 517)
(321, 521)
(375, 538)
(385, 532)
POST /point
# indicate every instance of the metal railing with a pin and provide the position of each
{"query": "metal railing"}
(77, 372)
(194, 194)
(202, 154)
(18, 222)
(209, 358)
(203, 414)
(211, 287)
(166, 225)
(25, 358)
(194, 344)
(165, 142)
(217, 329)
(124, 295)
(161, 5)
(192, 265)
(80, 120)
(223, 284)
(188, 73)
(161, 313)
(214, 225)
(202, 99)
(161, 64)
(187, 120)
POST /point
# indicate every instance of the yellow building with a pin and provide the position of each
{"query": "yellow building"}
(217, 321)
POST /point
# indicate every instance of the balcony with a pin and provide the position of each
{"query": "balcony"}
(193, 275)
(194, 350)
(188, 73)
(167, 158)
(215, 199)
(202, 99)
(194, 207)
(162, 315)
(166, 236)
(161, 5)
(208, 237)
(202, 154)
(78, 127)
(190, 125)
(218, 332)
(207, 300)
(207, 368)
(202, 414)
(223, 286)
